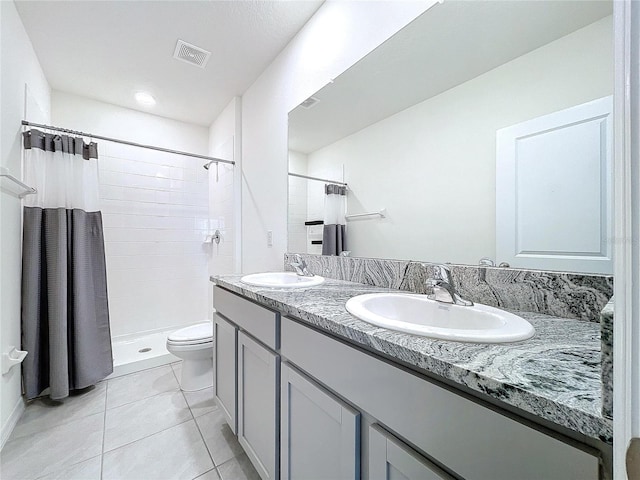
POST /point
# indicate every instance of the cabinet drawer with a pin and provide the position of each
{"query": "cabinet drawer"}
(470, 439)
(260, 322)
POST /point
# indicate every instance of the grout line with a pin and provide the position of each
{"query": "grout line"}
(172, 391)
(203, 440)
(150, 396)
(66, 420)
(150, 435)
(66, 467)
(204, 473)
(198, 428)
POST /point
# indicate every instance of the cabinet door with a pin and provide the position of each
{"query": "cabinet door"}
(390, 459)
(258, 405)
(225, 368)
(320, 434)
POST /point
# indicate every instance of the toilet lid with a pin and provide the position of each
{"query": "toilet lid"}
(200, 331)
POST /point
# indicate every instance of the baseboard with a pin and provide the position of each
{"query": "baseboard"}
(12, 421)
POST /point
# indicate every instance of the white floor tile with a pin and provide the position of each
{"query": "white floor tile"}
(137, 420)
(53, 449)
(238, 468)
(200, 402)
(87, 470)
(175, 453)
(41, 414)
(222, 443)
(139, 385)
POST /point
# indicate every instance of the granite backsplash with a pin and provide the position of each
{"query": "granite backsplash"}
(568, 295)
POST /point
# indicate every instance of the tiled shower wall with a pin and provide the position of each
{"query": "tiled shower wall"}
(155, 213)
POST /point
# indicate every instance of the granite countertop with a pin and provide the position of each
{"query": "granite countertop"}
(555, 375)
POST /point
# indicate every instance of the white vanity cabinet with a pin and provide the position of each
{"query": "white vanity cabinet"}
(391, 459)
(247, 377)
(320, 433)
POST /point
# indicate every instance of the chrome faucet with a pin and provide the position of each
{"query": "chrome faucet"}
(300, 266)
(486, 262)
(442, 287)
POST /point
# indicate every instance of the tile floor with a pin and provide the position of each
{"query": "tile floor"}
(137, 427)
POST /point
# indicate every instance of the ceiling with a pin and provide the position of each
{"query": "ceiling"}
(109, 50)
(446, 46)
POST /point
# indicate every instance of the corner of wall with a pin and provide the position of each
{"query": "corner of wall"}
(25, 92)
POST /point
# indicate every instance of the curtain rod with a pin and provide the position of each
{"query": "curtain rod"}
(126, 142)
(316, 178)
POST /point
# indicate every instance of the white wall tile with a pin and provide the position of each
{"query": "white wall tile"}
(155, 217)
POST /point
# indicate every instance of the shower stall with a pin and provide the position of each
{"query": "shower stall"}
(157, 209)
(159, 218)
(160, 211)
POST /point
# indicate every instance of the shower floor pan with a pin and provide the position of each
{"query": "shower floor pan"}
(135, 353)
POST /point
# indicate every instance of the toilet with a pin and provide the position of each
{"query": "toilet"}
(194, 345)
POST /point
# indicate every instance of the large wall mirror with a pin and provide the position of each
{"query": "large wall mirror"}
(483, 128)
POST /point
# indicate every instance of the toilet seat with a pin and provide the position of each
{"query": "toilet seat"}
(200, 333)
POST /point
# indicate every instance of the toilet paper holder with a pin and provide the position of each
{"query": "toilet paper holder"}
(12, 358)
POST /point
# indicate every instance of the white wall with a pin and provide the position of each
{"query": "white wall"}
(225, 142)
(433, 165)
(24, 93)
(336, 37)
(155, 214)
(297, 207)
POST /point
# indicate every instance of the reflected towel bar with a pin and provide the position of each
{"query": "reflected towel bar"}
(382, 213)
(29, 190)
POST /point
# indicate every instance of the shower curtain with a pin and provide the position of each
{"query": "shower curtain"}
(65, 315)
(334, 233)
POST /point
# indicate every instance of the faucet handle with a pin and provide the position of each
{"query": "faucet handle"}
(442, 273)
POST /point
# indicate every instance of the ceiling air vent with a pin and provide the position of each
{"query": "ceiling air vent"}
(191, 54)
(309, 102)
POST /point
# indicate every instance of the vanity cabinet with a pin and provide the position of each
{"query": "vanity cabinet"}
(247, 377)
(225, 389)
(320, 433)
(302, 396)
(391, 459)
(466, 437)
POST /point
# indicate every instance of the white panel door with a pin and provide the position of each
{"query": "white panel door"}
(553, 190)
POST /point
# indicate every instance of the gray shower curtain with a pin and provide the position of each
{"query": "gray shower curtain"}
(65, 314)
(334, 234)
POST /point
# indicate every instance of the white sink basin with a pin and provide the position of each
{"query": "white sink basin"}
(417, 314)
(281, 280)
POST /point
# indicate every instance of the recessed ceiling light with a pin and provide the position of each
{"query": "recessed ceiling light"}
(145, 99)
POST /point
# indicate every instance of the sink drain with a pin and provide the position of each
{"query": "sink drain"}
(144, 350)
